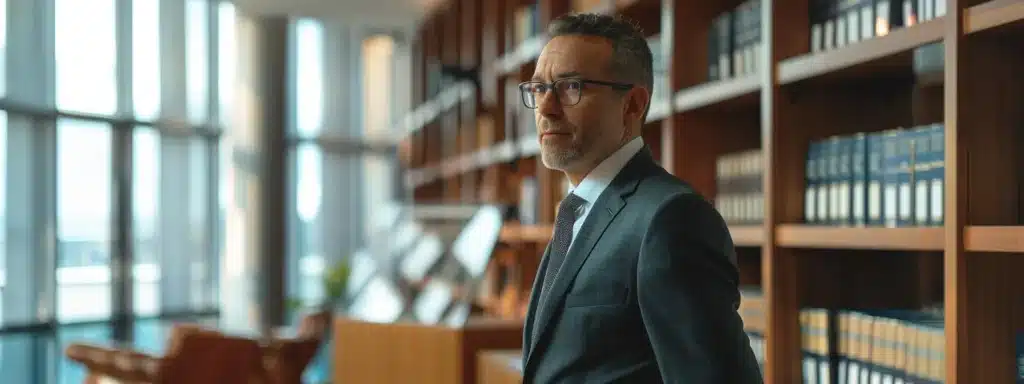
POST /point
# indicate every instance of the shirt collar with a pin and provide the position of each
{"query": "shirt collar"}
(601, 176)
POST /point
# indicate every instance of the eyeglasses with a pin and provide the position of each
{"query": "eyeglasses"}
(568, 90)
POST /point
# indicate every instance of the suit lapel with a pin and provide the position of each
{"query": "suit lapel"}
(531, 310)
(604, 211)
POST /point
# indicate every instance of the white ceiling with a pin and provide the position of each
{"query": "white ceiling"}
(370, 13)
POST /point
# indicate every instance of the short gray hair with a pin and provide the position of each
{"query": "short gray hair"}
(631, 56)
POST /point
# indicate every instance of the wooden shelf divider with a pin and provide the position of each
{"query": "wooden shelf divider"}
(747, 235)
(812, 236)
(706, 94)
(896, 46)
(515, 233)
(992, 14)
(980, 238)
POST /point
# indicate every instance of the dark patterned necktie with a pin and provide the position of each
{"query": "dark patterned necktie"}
(562, 237)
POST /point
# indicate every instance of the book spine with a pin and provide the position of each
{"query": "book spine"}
(890, 182)
(817, 20)
(829, 35)
(920, 174)
(739, 38)
(713, 49)
(845, 182)
(726, 37)
(823, 182)
(937, 135)
(904, 175)
(811, 184)
(755, 37)
(858, 186)
(834, 179)
(842, 29)
(874, 176)
(883, 17)
(867, 19)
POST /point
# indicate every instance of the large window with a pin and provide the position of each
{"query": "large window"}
(197, 40)
(146, 58)
(308, 89)
(83, 220)
(146, 201)
(86, 55)
(226, 62)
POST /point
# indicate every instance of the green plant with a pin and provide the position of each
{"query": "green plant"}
(335, 280)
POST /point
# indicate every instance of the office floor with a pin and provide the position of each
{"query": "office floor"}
(38, 357)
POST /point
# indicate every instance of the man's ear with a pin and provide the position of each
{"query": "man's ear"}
(637, 100)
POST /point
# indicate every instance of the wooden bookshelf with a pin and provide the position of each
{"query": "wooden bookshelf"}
(740, 90)
(982, 238)
(514, 233)
(970, 262)
(897, 239)
(993, 14)
(747, 235)
(876, 56)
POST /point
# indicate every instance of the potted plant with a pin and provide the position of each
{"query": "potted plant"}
(334, 282)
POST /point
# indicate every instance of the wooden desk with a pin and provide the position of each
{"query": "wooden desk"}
(500, 367)
(414, 353)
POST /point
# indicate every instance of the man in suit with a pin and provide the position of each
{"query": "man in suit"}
(639, 282)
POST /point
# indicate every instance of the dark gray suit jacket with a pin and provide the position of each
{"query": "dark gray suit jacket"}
(647, 294)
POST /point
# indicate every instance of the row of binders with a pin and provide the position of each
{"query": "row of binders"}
(836, 23)
(740, 187)
(735, 42)
(873, 346)
(893, 178)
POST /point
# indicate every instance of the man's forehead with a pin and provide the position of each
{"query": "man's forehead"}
(574, 53)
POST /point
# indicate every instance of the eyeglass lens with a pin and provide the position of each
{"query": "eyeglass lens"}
(567, 90)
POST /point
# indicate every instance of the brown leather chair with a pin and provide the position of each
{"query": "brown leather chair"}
(286, 358)
(194, 355)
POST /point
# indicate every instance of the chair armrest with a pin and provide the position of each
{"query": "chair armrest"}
(121, 363)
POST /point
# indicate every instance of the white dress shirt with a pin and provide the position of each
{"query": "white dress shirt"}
(597, 180)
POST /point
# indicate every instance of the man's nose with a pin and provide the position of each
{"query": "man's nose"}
(548, 104)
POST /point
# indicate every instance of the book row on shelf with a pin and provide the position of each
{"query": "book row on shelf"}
(873, 346)
(859, 346)
(836, 23)
(740, 187)
(893, 178)
(734, 42)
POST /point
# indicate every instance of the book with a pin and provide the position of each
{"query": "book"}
(904, 172)
(858, 186)
(890, 177)
(811, 182)
(720, 47)
(876, 177)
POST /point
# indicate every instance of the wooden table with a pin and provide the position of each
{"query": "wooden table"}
(503, 366)
(401, 353)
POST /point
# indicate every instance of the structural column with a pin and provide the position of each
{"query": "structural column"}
(253, 268)
(341, 214)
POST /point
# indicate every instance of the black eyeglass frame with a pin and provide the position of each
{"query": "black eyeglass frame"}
(523, 92)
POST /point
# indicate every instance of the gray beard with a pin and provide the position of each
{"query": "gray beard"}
(560, 159)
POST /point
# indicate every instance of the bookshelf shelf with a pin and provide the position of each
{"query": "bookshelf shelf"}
(994, 238)
(811, 236)
(887, 54)
(739, 90)
(993, 14)
(517, 233)
(747, 235)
